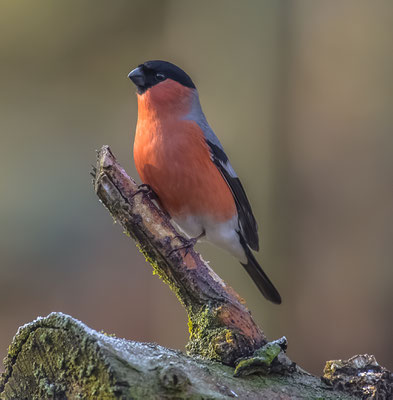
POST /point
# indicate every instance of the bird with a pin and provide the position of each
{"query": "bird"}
(180, 158)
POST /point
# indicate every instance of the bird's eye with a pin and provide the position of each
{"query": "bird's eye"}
(160, 77)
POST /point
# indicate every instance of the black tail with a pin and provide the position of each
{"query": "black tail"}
(258, 276)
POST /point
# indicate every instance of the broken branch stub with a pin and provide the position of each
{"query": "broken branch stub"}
(221, 327)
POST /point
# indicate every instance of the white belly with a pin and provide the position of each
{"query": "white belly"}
(222, 234)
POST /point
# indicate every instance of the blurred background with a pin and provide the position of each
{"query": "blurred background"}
(300, 94)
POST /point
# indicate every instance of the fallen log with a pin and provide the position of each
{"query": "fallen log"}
(58, 357)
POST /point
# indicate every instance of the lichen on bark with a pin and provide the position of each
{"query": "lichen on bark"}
(58, 357)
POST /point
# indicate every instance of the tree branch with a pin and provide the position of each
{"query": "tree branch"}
(221, 327)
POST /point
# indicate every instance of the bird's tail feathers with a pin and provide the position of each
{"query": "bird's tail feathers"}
(259, 277)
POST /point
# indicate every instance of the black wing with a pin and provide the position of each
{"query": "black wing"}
(247, 222)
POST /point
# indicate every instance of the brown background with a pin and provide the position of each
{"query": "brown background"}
(300, 94)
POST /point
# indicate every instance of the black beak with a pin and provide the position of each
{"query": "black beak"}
(137, 76)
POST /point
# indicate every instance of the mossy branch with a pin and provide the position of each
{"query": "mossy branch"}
(221, 327)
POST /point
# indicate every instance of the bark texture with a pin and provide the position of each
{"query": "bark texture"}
(58, 357)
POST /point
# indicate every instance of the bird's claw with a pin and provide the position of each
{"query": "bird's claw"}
(146, 189)
(187, 244)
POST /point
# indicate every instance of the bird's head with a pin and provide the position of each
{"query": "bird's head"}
(162, 82)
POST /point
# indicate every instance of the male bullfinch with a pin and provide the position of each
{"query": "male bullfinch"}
(178, 155)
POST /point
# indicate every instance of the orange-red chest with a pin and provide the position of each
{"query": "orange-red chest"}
(172, 156)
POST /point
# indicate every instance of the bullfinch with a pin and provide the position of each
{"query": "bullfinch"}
(178, 155)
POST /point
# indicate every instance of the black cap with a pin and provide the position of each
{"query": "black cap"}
(153, 72)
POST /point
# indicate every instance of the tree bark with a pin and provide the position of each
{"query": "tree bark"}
(58, 357)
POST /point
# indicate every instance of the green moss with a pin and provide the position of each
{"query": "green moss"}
(190, 325)
(268, 352)
(57, 364)
(198, 322)
(207, 337)
(261, 359)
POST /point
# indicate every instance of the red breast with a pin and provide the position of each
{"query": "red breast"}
(171, 155)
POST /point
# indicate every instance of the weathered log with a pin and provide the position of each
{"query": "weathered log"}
(58, 357)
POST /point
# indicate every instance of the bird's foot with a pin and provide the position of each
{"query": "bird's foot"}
(152, 195)
(146, 189)
(188, 244)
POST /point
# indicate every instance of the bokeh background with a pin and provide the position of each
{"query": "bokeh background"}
(300, 94)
